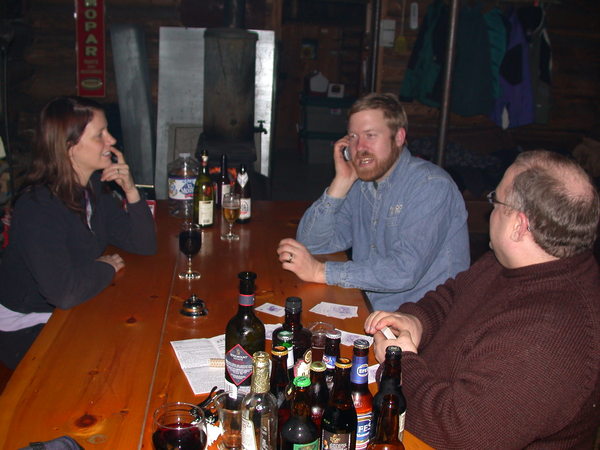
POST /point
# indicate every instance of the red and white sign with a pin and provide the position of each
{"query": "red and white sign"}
(90, 48)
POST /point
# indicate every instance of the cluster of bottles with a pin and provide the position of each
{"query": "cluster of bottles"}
(194, 194)
(311, 398)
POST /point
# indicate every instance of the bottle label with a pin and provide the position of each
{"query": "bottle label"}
(329, 361)
(401, 419)
(238, 363)
(363, 429)
(337, 441)
(205, 212)
(246, 300)
(225, 189)
(242, 179)
(245, 208)
(360, 370)
(314, 445)
(248, 436)
(181, 188)
(290, 357)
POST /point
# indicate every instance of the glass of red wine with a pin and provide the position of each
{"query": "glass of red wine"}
(180, 426)
(190, 241)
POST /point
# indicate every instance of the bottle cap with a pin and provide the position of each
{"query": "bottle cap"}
(293, 304)
(393, 351)
(279, 350)
(361, 344)
(343, 363)
(334, 334)
(302, 381)
(318, 366)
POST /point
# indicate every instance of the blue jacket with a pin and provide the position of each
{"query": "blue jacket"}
(408, 234)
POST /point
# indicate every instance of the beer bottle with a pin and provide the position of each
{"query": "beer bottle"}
(259, 408)
(301, 335)
(386, 434)
(331, 353)
(286, 338)
(244, 335)
(300, 431)
(242, 187)
(280, 382)
(203, 195)
(361, 395)
(339, 418)
(390, 384)
(223, 183)
(318, 393)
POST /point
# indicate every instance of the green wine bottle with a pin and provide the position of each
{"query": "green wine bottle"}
(244, 336)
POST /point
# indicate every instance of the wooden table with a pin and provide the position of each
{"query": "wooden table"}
(99, 370)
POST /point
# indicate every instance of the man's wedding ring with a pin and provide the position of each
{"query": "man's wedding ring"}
(291, 258)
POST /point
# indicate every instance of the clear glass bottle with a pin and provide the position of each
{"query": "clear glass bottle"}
(182, 174)
(259, 409)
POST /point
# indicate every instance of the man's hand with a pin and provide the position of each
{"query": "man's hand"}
(296, 258)
(345, 174)
(407, 328)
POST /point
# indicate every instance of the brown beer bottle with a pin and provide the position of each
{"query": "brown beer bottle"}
(244, 336)
(386, 435)
(280, 382)
(390, 384)
(339, 418)
(301, 335)
(330, 354)
(300, 432)
(318, 393)
(361, 395)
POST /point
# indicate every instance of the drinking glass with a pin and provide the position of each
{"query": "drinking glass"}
(231, 212)
(229, 409)
(190, 241)
(180, 426)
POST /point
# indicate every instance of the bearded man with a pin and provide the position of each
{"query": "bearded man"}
(403, 218)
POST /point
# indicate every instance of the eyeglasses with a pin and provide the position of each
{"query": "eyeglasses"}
(491, 197)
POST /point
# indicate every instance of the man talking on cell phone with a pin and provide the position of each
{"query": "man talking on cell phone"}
(403, 218)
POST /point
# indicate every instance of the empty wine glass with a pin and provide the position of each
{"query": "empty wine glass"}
(231, 212)
(190, 241)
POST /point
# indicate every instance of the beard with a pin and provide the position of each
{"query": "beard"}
(377, 170)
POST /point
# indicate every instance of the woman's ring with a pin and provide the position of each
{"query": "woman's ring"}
(291, 258)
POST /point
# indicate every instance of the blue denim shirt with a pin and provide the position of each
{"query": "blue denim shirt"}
(408, 233)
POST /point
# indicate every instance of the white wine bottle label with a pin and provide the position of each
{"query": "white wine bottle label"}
(242, 179)
(181, 188)
(245, 208)
(238, 364)
(311, 446)
(337, 441)
(248, 435)
(363, 429)
(205, 212)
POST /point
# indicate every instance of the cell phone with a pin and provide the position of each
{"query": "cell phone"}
(346, 154)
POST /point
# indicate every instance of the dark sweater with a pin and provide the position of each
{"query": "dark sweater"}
(509, 358)
(51, 257)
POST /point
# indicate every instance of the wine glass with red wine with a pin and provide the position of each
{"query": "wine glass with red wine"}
(190, 241)
(180, 426)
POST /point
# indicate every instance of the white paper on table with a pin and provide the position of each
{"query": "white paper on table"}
(194, 358)
(349, 338)
(270, 308)
(198, 352)
(269, 328)
(335, 310)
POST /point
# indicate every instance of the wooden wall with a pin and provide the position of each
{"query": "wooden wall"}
(42, 64)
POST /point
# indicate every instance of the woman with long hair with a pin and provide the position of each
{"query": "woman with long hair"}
(63, 220)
